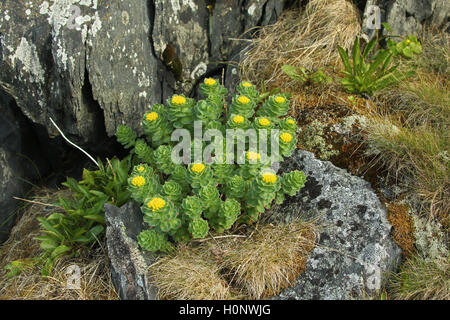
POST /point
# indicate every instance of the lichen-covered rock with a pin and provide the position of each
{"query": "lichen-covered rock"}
(128, 263)
(408, 16)
(355, 249)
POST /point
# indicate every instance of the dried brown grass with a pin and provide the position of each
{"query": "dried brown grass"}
(95, 282)
(309, 39)
(259, 266)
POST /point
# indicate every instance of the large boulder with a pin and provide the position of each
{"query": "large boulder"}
(408, 16)
(353, 253)
(355, 249)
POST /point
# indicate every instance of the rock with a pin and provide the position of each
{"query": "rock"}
(355, 249)
(128, 263)
(408, 16)
(93, 65)
(21, 162)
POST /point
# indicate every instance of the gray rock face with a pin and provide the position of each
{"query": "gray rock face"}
(355, 249)
(128, 263)
(93, 65)
(409, 16)
(19, 159)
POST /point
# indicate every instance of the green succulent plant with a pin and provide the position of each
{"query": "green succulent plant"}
(189, 201)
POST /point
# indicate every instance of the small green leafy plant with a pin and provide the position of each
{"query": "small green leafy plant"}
(82, 221)
(306, 77)
(366, 75)
(408, 47)
(184, 201)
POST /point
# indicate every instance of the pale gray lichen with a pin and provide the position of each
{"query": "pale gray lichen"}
(313, 137)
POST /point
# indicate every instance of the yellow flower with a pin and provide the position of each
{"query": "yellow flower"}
(243, 100)
(178, 100)
(269, 178)
(140, 169)
(286, 137)
(280, 99)
(198, 167)
(264, 122)
(138, 181)
(152, 116)
(246, 84)
(253, 156)
(408, 41)
(290, 121)
(238, 119)
(156, 203)
(210, 82)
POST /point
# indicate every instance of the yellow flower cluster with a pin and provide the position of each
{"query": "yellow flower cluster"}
(253, 156)
(243, 100)
(210, 82)
(238, 119)
(198, 167)
(141, 169)
(152, 116)
(290, 121)
(286, 137)
(264, 122)
(280, 99)
(246, 84)
(156, 203)
(178, 99)
(138, 181)
(269, 177)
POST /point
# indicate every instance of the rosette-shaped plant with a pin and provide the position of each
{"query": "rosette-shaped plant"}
(207, 111)
(292, 182)
(261, 194)
(160, 213)
(211, 87)
(244, 106)
(227, 215)
(198, 228)
(199, 175)
(237, 121)
(221, 170)
(210, 199)
(163, 159)
(180, 111)
(289, 124)
(246, 88)
(143, 151)
(173, 191)
(288, 143)
(264, 123)
(275, 106)
(156, 126)
(179, 174)
(252, 166)
(126, 136)
(153, 241)
(192, 207)
(142, 184)
(235, 187)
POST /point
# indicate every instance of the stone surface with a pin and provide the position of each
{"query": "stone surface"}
(355, 249)
(128, 263)
(20, 162)
(93, 65)
(409, 16)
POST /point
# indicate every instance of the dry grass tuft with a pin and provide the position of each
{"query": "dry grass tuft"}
(190, 274)
(259, 266)
(95, 283)
(422, 279)
(271, 260)
(309, 39)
